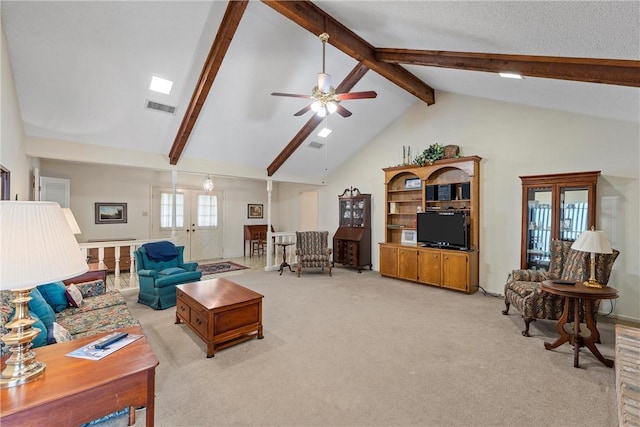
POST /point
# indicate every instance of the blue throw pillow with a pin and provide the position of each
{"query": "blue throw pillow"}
(41, 339)
(171, 270)
(39, 306)
(54, 294)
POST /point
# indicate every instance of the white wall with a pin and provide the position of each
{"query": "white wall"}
(12, 151)
(513, 140)
(91, 183)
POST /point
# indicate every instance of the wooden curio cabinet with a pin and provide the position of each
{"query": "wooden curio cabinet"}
(352, 241)
(558, 206)
(412, 189)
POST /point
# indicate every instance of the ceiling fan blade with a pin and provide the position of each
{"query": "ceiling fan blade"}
(343, 111)
(291, 95)
(304, 110)
(357, 95)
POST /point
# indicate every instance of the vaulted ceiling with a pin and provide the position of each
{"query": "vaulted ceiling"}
(82, 71)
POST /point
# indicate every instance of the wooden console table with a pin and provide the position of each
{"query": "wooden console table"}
(75, 391)
(575, 296)
(97, 271)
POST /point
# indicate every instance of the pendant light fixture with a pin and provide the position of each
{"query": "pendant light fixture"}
(208, 184)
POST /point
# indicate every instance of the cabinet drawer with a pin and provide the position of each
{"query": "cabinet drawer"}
(184, 311)
(199, 321)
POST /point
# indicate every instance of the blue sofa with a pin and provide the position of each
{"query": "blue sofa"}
(158, 278)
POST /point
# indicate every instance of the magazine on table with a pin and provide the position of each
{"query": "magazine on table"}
(90, 351)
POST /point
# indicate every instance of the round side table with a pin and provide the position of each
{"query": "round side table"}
(577, 295)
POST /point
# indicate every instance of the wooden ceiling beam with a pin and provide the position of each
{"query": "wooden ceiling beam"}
(607, 71)
(226, 31)
(347, 84)
(315, 20)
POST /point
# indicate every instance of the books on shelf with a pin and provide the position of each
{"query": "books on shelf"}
(392, 207)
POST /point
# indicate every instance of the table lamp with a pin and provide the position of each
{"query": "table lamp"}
(75, 228)
(595, 242)
(37, 246)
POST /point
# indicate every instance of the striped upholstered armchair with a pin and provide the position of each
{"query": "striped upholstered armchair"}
(312, 250)
(523, 286)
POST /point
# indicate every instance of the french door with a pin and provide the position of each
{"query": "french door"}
(196, 217)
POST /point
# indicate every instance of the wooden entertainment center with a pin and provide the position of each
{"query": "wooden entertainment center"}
(412, 189)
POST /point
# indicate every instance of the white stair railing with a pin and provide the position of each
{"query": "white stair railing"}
(119, 254)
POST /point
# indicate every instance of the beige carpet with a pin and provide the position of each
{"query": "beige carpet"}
(361, 350)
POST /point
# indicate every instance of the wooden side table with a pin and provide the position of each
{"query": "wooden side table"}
(284, 257)
(96, 271)
(80, 390)
(575, 296)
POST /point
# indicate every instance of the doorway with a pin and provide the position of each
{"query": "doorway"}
(197, 218)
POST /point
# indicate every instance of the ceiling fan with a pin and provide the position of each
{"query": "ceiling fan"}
(324, 96)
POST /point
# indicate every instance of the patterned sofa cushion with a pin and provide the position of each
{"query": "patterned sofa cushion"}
(100, 311)
(83, 324)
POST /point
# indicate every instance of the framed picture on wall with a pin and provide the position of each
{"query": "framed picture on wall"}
(111, 213)
(255, 211)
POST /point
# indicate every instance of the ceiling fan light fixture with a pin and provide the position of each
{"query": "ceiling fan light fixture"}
(208, 184)
(324, 82)
(510, 75)
(316, 106)
(332, 107)
(322, 112)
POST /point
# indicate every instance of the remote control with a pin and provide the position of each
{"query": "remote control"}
(107, 341)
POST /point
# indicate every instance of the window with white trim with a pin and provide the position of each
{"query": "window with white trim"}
(166, 210)
(207, 210)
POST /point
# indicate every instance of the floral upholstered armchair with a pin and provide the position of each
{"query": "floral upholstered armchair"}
(312, 250)
(523, 286)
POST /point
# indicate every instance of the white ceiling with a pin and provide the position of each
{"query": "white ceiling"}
(82, 70)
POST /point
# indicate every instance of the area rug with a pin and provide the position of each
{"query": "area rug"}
(220, 267)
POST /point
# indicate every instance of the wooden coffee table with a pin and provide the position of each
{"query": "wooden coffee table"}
(220, 312)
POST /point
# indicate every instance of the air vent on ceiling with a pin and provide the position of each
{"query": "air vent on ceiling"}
(315, 144)
(160, 107)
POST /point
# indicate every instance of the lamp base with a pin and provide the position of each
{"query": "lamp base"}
(592, 283)
(35, 369)
(22, 365)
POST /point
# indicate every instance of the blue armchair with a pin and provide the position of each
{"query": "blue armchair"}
(158, 277)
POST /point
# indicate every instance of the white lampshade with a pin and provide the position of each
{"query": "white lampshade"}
(37, 245)
(593, 241)
(71, 220)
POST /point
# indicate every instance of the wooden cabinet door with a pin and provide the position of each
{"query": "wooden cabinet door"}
(408, 263)
(389, 261)
(455, 270)
(429, 267)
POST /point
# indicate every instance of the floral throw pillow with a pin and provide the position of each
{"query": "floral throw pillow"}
(74, 295)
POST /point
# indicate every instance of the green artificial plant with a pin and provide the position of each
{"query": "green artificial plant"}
(430, 155)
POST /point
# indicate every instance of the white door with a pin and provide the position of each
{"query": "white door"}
(198, 221)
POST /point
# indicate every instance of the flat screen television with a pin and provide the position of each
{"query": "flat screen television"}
(443, 229)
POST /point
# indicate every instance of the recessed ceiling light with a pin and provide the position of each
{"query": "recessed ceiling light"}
(324, 132)
(161, 85)
(511, 75)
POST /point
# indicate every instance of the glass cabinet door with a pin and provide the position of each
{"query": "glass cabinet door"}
(539, 220)
(556, 206)
(574, 212)
(345, 212)
(359, 212)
